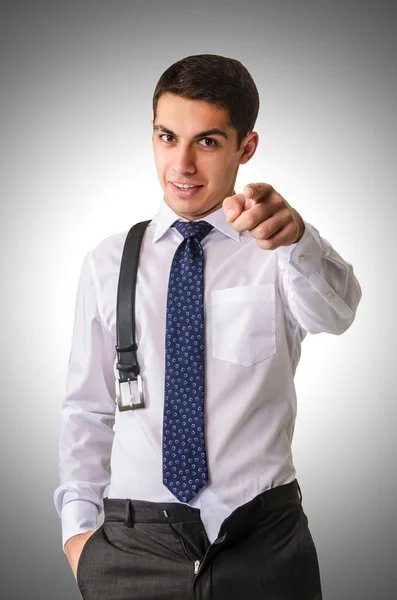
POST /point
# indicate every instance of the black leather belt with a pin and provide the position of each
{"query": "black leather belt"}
(127, 347)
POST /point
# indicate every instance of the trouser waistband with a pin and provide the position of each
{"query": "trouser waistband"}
(143, 511)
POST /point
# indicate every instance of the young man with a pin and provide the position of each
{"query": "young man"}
(203, 501)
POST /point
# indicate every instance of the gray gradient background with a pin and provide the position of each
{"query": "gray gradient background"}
(76, 166)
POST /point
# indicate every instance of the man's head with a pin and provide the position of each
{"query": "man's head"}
(204, 110)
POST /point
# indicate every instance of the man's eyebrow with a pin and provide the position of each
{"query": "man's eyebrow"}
(202, 134)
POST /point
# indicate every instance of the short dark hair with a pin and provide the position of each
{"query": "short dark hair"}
(222, 81)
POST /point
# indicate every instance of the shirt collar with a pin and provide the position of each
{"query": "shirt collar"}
(166, 217)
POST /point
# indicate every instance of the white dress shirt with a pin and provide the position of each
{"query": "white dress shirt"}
(258, 307)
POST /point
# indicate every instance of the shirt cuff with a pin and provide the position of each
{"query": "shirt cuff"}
(77, 516)
(304, 256)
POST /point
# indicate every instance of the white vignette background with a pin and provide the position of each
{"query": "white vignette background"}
(77, 80)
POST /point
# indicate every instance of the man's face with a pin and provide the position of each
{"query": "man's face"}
(188, 150)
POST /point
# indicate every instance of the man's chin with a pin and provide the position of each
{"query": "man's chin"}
(191, 207)
(193, 203)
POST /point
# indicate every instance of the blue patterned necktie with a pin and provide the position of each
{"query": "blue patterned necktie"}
(184, 459)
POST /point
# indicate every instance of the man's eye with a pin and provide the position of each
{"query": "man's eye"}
(170, 138)
(166, 135)
(213, 142)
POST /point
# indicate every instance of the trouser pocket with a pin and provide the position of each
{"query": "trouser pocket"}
(85, 555)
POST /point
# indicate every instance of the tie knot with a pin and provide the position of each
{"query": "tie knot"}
(198, 229)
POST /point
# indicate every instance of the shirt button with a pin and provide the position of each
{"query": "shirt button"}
(301, 259)
(330, 294)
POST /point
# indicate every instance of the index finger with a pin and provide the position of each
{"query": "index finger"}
(259, 190)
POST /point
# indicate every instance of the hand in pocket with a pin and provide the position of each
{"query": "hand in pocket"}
(74, 547)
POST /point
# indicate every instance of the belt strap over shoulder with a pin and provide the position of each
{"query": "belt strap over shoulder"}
(126, 347)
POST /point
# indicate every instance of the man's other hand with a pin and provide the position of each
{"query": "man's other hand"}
(74, 547)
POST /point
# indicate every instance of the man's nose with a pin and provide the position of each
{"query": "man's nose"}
(184, 161)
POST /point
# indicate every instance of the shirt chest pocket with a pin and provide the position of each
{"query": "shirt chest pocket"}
(243, 323)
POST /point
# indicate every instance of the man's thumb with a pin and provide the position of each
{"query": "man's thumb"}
(234, 206)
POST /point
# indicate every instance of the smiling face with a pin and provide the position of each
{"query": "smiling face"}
(194, 145)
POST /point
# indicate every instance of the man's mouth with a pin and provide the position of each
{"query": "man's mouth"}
(184, 190)
(185, 186)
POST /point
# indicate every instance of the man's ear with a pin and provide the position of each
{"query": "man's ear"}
(249, 147)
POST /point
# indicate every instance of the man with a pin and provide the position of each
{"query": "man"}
(203, 500)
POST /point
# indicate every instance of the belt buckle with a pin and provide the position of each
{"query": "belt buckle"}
(131, 405)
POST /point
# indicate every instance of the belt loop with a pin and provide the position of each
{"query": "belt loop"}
(128, 515)
(300, 493)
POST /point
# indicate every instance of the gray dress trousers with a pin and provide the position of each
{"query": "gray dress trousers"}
(160, 551)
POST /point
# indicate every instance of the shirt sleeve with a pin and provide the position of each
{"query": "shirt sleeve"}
(87, 414)
(318, 287)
